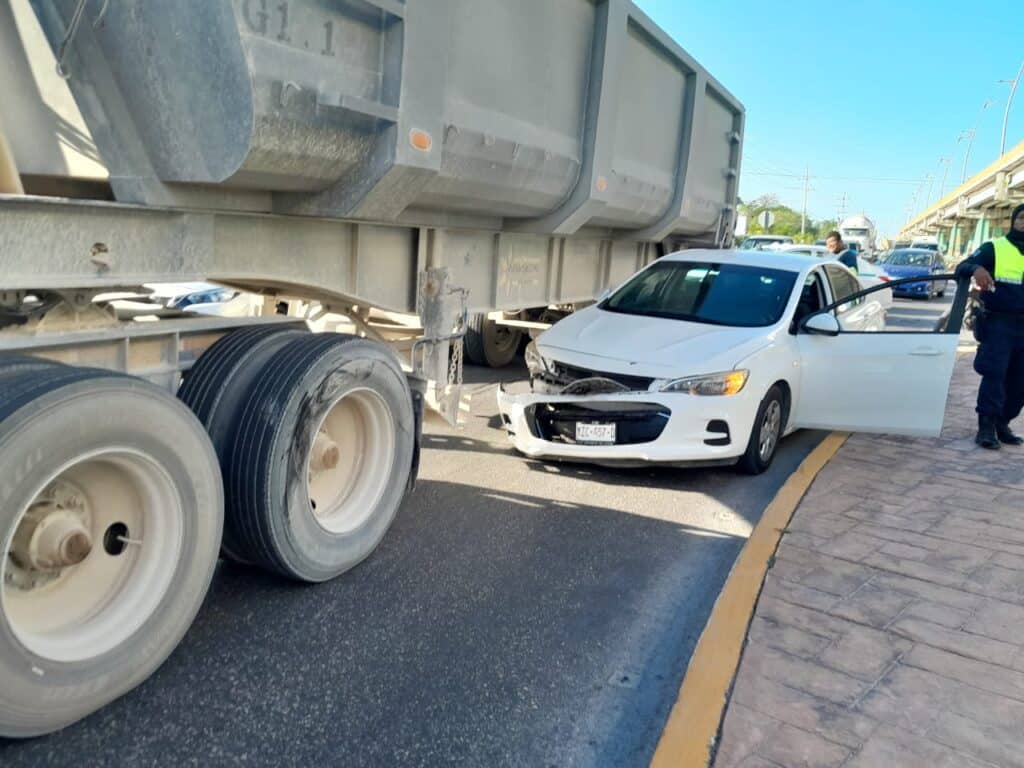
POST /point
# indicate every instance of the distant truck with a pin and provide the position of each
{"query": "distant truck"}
(860, 231)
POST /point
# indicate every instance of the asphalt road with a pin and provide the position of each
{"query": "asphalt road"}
(918, 314)
(517, 614)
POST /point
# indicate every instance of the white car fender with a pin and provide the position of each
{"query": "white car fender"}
(776, 361)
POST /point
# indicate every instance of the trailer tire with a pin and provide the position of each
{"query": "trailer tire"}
(218, 386)
(490, 344)
(322, 456)
(88, 447)
(12, 365)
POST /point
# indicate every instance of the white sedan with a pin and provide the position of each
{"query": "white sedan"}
(713, 356)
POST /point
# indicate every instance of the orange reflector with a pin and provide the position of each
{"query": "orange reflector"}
(602, 184)
(421, 140)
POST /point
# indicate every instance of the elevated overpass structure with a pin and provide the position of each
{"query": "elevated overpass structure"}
(977, 210)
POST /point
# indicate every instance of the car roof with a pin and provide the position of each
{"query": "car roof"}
(791, 262)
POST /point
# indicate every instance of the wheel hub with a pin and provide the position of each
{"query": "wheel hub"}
(325, 453)
(53, 534)
(91, 556)
(349, 461)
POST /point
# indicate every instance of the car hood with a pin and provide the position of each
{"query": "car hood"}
(655, 347)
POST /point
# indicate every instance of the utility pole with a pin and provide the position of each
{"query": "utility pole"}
(841, 213)
(807, 184)
(1009, 102)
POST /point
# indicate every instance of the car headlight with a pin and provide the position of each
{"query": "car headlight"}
(536, 364)
(728, 383)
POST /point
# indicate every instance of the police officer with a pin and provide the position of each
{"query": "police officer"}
(998, 270)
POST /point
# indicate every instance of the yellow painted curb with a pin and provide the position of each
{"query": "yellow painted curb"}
(693, 722)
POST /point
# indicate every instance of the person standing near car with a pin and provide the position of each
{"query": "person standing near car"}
(835, 245)
(998, 270)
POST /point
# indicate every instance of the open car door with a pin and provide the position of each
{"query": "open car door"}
(888, 376)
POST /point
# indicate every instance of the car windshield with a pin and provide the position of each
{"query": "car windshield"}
(927, 246)
(855, 232)
(701, 292)
(909, 259)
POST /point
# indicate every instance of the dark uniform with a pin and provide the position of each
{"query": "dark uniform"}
(999, 329)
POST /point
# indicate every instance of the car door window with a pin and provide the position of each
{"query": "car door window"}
(843, 284)
(876, 311)
(812, 299)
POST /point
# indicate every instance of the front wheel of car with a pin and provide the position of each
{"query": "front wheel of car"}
(766, 433)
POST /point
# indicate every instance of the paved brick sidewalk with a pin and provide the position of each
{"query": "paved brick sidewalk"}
(890, 631)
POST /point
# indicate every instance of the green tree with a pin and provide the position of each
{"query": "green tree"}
(822, 228)
(787, 221)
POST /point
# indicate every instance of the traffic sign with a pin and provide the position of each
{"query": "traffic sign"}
(766, 219)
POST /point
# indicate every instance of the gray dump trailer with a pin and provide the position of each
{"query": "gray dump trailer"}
(437, 158)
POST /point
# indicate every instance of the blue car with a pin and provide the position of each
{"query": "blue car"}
(916, 262)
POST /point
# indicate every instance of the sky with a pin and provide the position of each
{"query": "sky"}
(870, 98)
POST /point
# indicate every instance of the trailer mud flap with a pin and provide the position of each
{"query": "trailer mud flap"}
(418, 387)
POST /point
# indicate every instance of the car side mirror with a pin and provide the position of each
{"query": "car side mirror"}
(824, 324)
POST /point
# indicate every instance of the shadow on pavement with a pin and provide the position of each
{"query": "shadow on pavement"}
(488, 629)
(517, 613)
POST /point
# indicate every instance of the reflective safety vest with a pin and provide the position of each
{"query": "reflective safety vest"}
(1009, 262)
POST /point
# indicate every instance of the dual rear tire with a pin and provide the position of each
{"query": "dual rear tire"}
(316, 435)
(298, 447)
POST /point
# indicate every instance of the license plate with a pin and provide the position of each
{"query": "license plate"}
(595, 433)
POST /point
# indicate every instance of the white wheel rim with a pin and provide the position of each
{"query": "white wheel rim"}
(349, 461)
(82, 611)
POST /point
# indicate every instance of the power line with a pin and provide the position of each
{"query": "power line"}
(875, 180)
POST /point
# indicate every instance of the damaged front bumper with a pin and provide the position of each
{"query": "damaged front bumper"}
(650, 427)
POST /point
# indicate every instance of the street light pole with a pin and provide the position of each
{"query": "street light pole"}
(1009, 102)
(969, 134)
(946, 161)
